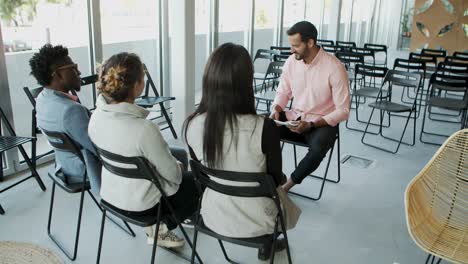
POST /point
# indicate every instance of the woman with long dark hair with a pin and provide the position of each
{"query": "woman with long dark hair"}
(226, 133)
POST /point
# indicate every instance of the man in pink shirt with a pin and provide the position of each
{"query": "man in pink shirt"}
(319, 84)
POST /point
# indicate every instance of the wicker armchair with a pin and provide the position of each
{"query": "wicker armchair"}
(436, 202)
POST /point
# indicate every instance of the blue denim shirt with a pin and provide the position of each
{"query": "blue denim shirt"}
(56, 112)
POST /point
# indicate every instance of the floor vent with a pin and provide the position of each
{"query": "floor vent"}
(358, 162)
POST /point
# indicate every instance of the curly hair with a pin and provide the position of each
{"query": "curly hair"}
(42, 61)
(118, 75)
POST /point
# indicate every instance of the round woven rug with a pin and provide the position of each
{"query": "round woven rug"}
(26, 253)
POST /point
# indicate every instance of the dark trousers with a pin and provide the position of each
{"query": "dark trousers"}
(184, 201)
(319, 140)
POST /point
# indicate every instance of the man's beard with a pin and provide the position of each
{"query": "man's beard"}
(301, 56)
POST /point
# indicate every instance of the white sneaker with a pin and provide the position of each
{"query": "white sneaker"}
(166, 238)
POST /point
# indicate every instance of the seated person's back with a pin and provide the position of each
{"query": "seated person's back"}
(226, 134)
(58, 111)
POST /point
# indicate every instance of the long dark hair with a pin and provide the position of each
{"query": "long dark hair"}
(227, 92)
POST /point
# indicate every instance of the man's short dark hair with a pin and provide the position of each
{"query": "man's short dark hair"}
(306, 29)
(42, 61)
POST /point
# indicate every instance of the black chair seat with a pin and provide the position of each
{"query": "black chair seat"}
(261, 76)
(139, 220)
(59, 179)
(367, 91)
(266, 96)
(449, 103)
(391, 106)
(150, 101)
(253, 242)
(9, 142)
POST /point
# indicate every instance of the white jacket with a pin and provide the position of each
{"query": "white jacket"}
(124, 130)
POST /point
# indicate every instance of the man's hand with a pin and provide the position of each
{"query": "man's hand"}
(302, 126)
(276, 110)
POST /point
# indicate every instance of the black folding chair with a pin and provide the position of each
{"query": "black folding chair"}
(371, 78)
(368, 54)
(346, 45)
(377, 48)
(147, 101)
(13, 141)
(439, 54)
(62, 142)
(394, 79)
(429, 59)
(456, 59)
(407, 97)
(321, 42)
(137, 168)
(460, 54)
(264, 187)
(442, 81)
(323, 178)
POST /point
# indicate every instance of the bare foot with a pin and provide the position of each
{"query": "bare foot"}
(288, 185)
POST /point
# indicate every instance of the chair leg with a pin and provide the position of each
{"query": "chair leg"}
(286, 240)
(168, 120)
(431, 259)
(127, 229)
(77, 235)
(32, 167)
(194, 248)
(101, 235)
(155, 235)
(2, 212)
(224, 252)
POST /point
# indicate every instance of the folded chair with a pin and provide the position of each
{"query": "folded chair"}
(264, 187)
(436, 203)
(378, 50)
(392, 80)
(61, 142)
(13, 141)
(137, 168)
(274, 71)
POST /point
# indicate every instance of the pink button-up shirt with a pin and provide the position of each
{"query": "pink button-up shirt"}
(320, 89)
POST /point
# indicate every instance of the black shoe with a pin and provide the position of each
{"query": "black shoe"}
(264, 252)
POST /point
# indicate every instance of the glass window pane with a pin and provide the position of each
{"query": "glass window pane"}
(294, 11)
(26, 28)
(202, 25)
(132, 26)
(343, 31)
(233, 21)
(266, 12)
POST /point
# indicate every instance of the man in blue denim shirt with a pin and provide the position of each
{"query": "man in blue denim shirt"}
(60, 111)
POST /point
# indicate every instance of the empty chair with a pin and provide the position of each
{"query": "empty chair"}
(346, 45)
(409, 93)
(442, 81)
(267, 56)
(371, 78)
(350, 59)
(273, 73)
(369, 55)
(321, 42)
(460, 54)
(436, 202)
(260, 185)
(436, 53)
(12, 141)
(392, 80)
(378, 50)
(147, 101)
(456, 59)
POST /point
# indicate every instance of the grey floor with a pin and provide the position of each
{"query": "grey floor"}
(359, 220)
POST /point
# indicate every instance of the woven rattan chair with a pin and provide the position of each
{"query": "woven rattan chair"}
(436, 202)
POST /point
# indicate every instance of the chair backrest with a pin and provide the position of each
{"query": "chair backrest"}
(376, 47)
(275, 67)
(456, 59)
(130, 167)
(404, 78)
(371, 71)
(448, 82)
(453, 68)
(460, 54)
(349, 58)
(331, 48)
(149, 83)
(280, 57)
(265, 54)
(427, 58)
(346, 45)
(364, 51)
(280, 48)
(321, 42)
(410, 65)
(62, 142)
(433, 52)
(260, 184)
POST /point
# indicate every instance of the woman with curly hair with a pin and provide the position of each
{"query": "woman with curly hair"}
(120, 126)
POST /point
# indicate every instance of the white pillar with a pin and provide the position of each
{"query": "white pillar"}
(334, 23)
(182, 62)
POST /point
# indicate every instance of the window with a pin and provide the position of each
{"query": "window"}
(294, 11)
(266, 12)
(233, 21)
